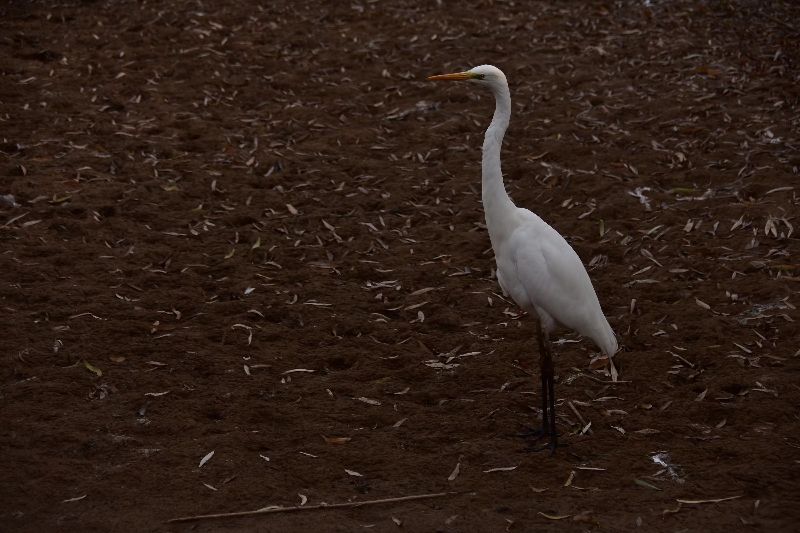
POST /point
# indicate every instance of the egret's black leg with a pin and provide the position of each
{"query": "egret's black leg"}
(547, 370)
(551, 395)
(543, 372)
(545, 428)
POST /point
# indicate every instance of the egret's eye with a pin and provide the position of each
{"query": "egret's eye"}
(480, 76)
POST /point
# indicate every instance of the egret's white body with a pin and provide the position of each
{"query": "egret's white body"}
(536, 267)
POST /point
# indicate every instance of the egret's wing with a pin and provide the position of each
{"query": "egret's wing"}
(553, 276)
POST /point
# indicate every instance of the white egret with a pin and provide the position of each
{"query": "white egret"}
(535, 265)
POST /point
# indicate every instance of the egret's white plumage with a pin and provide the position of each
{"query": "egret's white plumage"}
(535, 265)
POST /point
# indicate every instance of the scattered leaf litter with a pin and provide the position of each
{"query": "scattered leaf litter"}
(206, 458)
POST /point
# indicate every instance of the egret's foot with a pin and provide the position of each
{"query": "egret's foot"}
(551, 446)
(533, 436)
(533, 433)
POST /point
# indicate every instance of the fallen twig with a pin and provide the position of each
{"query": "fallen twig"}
(715, 500)
(583, 422)
(269, 510)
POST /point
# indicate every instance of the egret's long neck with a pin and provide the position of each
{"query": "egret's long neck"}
(496, 204)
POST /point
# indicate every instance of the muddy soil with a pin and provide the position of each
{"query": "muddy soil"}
(255, 229)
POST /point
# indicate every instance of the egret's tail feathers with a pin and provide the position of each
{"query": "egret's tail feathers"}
(607, 341)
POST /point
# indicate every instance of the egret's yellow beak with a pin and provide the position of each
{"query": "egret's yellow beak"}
(456, 76)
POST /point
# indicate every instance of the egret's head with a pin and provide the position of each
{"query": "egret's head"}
(484, 74)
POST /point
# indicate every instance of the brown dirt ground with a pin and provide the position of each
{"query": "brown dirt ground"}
(213, 195)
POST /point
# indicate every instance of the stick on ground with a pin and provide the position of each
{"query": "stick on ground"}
(269, 510)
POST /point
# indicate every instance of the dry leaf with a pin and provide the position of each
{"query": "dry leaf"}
(645, 484)
(501, 469)
(706, 70)
(716, 500)
(368, 400)
(454, 474)
(554, 517)
(90, 367)
(337, 440)
(206, 459)
(599, 363)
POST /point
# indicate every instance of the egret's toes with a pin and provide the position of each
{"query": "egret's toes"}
(532, 433)
(541, 447)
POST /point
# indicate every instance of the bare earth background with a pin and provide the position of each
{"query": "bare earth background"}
(256, 230)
